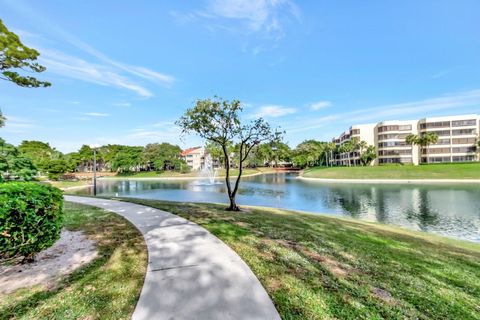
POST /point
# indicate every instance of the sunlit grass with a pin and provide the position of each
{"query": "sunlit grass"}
(430, 171)
(107, 288)
(318, 267)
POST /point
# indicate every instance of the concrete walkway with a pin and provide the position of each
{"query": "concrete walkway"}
(191, 274)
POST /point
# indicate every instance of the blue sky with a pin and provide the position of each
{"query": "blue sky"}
(124, 71)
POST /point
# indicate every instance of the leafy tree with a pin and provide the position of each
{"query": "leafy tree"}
(56, 168)
(161, 156)
(14, 166)
(14, 56)
(215, 151)
(128, 159)
(21, 168)
(308, 153)
(218, 120)
(40, 153)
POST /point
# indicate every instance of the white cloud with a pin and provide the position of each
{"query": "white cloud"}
(418, 109)
(105, 71)
(320, 105)
(122, 104)
(15, 124)
(73, 67)
(261, 17)
(164, 124)
(138, 71)
(273, 111)
(95, 114)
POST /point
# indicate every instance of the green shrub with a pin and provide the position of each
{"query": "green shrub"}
(30, 218)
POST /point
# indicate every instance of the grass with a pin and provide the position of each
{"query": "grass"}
(174, 174)
(107, 288)
(70, 184)
(320, 267)
(430, 171)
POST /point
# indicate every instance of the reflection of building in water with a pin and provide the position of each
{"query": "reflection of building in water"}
(457, 138)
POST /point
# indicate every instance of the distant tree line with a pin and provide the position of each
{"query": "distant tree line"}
(31, 158)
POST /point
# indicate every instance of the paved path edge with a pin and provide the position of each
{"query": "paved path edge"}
(191, 274)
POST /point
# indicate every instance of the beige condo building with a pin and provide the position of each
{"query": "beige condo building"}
(457, 140)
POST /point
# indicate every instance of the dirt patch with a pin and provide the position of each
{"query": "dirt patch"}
(337, 268)
(382, 295)
(70, 252)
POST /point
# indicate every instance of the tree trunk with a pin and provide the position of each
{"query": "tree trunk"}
(231, 195)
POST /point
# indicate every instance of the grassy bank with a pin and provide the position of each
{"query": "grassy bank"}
(318, 267)
(107, 288)
(430, 171)
(193, 174)
(70, 184)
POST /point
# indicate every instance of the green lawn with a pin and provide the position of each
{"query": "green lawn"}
(174, 174)
(107, 288)
(430, 171)
(70, 184)
(319, 267)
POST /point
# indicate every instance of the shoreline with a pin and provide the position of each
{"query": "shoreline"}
(392, 181)
(178, 178)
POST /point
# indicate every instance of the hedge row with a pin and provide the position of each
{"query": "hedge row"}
(31, 218)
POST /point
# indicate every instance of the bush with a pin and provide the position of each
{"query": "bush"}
(30, 218)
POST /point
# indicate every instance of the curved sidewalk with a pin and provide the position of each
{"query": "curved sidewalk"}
(191, 274)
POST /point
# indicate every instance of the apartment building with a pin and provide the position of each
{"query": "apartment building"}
(457, 140)
(362, 132)
(194, 157)
(390, 142)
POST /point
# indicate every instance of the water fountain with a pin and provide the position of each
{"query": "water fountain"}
(208, 171)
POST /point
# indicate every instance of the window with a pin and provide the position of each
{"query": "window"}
(387, 128)
(435, 159)
(394, 152)
(440, 124)
(392, 144)
(441, 133)
(464, 123)
(463, 158)
(406, 127)
(436, 150)
(392, 136)
(355, 131)
(463, 140)
(463, 149)
(395, 160)
(442, 141)
(462, 132)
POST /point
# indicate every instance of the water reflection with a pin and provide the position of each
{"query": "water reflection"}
(452, 210)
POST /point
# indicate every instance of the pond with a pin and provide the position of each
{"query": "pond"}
(451, 210)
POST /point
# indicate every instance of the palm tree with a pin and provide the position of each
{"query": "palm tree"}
(425, 140)
(348, 147)
(361, 147)
(368, 155)
(411, 140)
